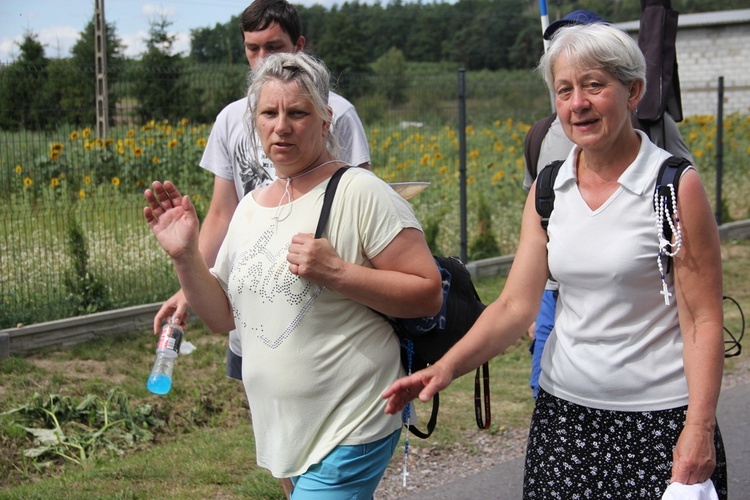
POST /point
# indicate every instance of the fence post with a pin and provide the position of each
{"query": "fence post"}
(462, 158)
(719, 148)
(102, 97)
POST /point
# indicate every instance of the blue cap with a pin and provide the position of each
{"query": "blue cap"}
(575, 17)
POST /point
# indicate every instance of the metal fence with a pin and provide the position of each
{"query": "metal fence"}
(72, 237)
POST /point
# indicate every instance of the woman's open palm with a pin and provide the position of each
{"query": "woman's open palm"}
(172, 218)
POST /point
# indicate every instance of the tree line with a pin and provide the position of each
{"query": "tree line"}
(358, 42)
(474, 34)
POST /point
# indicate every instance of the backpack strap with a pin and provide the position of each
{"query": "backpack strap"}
(669, 174)
(325, 212)
(533, 143)
(545, 190)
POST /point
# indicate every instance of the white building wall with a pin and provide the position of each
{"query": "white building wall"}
(710, 46)
(704, 55)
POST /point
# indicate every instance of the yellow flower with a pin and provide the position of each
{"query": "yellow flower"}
(82, 194)
(131, 132)
(184, 122)
(438, 156)
(155, 159)
(86, 132)
(56, 146)
(137, 152)
(18, 169)
(498, 176)
(425, 159)
(121, 149)
(115, 181)
(27, 182)
(474, 153)
(171, 144)
(86, 144)
(87, 180)
(54, 182)
(74, 135)
(201, 142)
(54, 154)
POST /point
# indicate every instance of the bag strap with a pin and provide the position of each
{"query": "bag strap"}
(325, 212)
(533, 143)
(482, 423)
(670, 173)
(322, 221)
(545, 190)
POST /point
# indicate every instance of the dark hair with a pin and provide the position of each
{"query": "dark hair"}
(260, 14)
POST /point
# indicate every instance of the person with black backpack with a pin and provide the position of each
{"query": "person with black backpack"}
(631, 375)
(546, 142)
(317, 349)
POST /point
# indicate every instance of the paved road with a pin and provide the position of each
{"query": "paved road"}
(505, 481)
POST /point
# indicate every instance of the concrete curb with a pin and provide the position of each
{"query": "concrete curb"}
(71, 331)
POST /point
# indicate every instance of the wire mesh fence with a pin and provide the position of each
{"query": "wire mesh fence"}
(72, 235)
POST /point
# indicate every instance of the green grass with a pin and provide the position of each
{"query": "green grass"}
(206, 446)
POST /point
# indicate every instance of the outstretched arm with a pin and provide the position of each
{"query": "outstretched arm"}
(698, 288)
(501, 323)
(175, 224)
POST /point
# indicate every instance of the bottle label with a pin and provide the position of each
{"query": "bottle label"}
(170, 338)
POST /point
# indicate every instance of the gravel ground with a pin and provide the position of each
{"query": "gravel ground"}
(429, 467)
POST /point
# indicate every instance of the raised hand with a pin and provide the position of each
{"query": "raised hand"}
(172, 218)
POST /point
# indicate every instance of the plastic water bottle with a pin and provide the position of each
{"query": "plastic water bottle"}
(167, 350)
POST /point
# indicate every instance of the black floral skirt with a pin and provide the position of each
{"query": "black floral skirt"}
(575, 452)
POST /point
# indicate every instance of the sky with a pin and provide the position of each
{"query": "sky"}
(58, 23)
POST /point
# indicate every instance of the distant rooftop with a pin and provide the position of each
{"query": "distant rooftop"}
(739, 16)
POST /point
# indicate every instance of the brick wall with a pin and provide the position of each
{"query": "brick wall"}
(711, 45)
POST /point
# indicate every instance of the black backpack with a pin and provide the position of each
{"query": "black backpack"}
(426, 340)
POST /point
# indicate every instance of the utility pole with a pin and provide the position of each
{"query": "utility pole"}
(102, 99)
